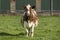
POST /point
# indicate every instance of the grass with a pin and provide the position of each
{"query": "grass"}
(48, 28)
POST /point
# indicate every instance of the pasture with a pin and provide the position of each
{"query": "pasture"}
(48, 28)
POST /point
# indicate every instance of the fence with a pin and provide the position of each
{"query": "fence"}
(43, 7)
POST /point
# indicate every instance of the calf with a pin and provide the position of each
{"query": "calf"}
(29, 20)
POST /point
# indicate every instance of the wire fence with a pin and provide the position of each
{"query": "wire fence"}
(45, 7)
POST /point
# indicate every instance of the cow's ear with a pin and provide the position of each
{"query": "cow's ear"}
(24, 7)
(33, 7)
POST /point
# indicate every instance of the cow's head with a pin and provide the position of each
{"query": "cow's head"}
(28, 9)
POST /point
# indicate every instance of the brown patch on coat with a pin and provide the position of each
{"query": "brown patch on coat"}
(31, 17)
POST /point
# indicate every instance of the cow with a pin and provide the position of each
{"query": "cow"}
(29, 20)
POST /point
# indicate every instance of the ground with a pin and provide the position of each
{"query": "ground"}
(11, 28)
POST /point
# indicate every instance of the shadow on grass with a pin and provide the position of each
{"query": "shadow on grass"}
(7, 34)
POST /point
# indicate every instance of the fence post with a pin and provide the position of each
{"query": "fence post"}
(51, 7)
(12, 6)
(38, 5)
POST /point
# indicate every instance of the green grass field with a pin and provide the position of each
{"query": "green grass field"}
(48, 28)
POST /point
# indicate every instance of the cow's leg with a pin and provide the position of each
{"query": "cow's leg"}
(25, 26)
(27, 32)
(32, 33)
(31, 26)
(36, 23)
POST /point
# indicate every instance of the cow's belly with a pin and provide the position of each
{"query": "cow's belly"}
(30, 24)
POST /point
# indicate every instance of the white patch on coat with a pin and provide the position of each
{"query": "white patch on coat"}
(28, 13)
(30, 24)
(28, 6)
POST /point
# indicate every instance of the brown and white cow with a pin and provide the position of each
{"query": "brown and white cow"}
(29, 19)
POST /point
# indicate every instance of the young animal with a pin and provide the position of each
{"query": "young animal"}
(29, 20)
